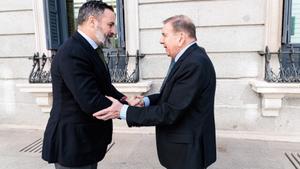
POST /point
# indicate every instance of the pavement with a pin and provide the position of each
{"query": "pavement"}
(138, 151)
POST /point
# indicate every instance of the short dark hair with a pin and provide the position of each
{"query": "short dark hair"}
(182, 23)
(91, 8)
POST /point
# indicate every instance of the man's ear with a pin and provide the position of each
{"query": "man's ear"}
(181, 39)
(91, 20)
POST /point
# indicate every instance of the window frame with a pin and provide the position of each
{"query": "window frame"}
(55, 37)
(286, 28)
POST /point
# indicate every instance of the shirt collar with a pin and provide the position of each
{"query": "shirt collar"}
(183, 50)
(91, 41)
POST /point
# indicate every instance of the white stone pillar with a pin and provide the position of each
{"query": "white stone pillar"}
(39, 26)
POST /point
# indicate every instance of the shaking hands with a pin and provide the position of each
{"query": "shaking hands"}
(114, 110)
(137, 101)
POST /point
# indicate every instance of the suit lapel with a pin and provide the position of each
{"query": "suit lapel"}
(178, 63)
(90, 49)
(84, 42)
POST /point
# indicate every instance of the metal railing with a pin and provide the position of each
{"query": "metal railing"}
(117, 62)
(118, 65)
(38, 73)
(282, 66)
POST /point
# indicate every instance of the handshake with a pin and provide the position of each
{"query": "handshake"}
(114, 110)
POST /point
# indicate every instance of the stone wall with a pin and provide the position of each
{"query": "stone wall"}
(17, 43)
(232, 32)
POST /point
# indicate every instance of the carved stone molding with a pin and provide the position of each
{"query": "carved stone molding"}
(43, 91)
(272, 95)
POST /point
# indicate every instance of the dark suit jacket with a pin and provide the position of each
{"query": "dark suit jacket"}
(80, 81)
(183, 113)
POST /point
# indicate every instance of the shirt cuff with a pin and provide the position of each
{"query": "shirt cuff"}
(123, 112)
(146, 101)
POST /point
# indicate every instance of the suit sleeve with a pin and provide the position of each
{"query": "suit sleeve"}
(185, 88)
(78, 76)
(154, 98)
(115, 93)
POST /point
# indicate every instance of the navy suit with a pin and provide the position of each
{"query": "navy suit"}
(80, 81)
(183, 113)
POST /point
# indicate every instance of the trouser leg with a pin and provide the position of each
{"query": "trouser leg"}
(91, 166)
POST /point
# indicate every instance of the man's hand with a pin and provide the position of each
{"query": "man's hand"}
(136, 101)
(141, 101)
(111, 112)
(132, 101)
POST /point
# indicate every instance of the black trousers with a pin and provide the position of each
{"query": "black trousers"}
(91, 166)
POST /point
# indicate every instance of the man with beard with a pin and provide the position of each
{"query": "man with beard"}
(80, 80)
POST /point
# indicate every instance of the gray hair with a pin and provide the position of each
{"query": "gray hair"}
(182, 23)
(92, 8)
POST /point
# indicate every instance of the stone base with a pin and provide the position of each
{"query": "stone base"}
(43, 91)
(273, 93)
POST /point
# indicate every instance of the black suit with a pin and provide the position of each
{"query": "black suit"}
(80, 81)
(183, 113)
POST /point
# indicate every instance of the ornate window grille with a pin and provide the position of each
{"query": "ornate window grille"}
(282, 66)
(118, 67)
(40, 72)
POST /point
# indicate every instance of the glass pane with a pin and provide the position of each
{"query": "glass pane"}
(295, 22)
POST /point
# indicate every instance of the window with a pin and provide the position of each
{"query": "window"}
(291, 23)
(283, 66)
(290, 48)
(60, 16)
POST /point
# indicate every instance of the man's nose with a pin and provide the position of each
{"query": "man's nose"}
(113, 31)
(161, 41)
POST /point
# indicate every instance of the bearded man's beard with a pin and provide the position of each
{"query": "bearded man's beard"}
(100, 37)
(105, 40)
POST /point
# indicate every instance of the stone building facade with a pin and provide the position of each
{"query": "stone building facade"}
(232, 31)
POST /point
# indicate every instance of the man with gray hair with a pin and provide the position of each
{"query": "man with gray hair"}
(80, 80)
(183, 111)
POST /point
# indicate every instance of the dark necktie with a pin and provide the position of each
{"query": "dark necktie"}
(169, 71)
(101, 55)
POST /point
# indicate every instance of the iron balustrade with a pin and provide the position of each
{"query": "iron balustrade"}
(118, 63)
(38, 74)
(116, 60)
(288, 70)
